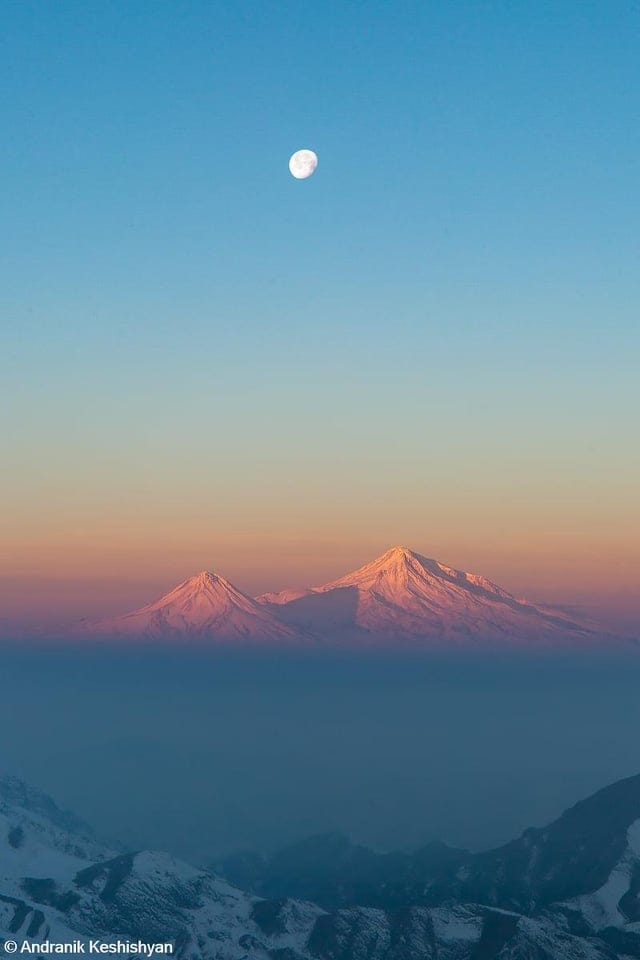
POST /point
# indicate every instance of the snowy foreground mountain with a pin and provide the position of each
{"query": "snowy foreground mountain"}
(400, 598)
(571, 892)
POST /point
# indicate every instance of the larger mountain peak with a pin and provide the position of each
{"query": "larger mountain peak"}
(398, 553)
(404, 596)
(407, 566)
(398, 556)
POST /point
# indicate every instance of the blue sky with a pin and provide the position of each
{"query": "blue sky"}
(433, 340)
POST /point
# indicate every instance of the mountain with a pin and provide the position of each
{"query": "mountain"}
(57, 884)
(400, 598)
(205, 607)
(403, 596)
(587, 859)
(334, 872)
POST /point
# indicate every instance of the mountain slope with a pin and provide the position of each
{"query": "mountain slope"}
(404, 596)
(587, 860)
(204, 607)
(71, 892)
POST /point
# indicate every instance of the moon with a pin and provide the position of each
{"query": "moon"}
(302, 164)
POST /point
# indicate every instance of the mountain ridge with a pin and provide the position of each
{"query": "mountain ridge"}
(566, 861)
(56, 886)
(400, 598)
(403, 595)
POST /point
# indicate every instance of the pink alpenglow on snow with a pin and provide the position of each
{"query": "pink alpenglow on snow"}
(203, 608)
(402, 596)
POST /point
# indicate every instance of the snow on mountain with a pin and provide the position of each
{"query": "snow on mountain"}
(58, 886)
(587, 859)
(404, 596)
(401, 597)
(41, 838)
(285, 596)
(205, 607)
(616, 902)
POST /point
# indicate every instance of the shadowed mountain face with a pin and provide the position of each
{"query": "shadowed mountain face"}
(576, 882)
(402, 598)
(570, 858)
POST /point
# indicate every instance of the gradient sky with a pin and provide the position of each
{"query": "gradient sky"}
(433, 341)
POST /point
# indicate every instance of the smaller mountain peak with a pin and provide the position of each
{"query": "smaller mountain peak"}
(206, 582)
(205, 576)
(206, 606)
(204, 579)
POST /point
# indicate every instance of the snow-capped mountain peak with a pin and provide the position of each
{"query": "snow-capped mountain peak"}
(405, 596)
(401, 568)
(204, 607)
(400, 597)
(207, 591)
